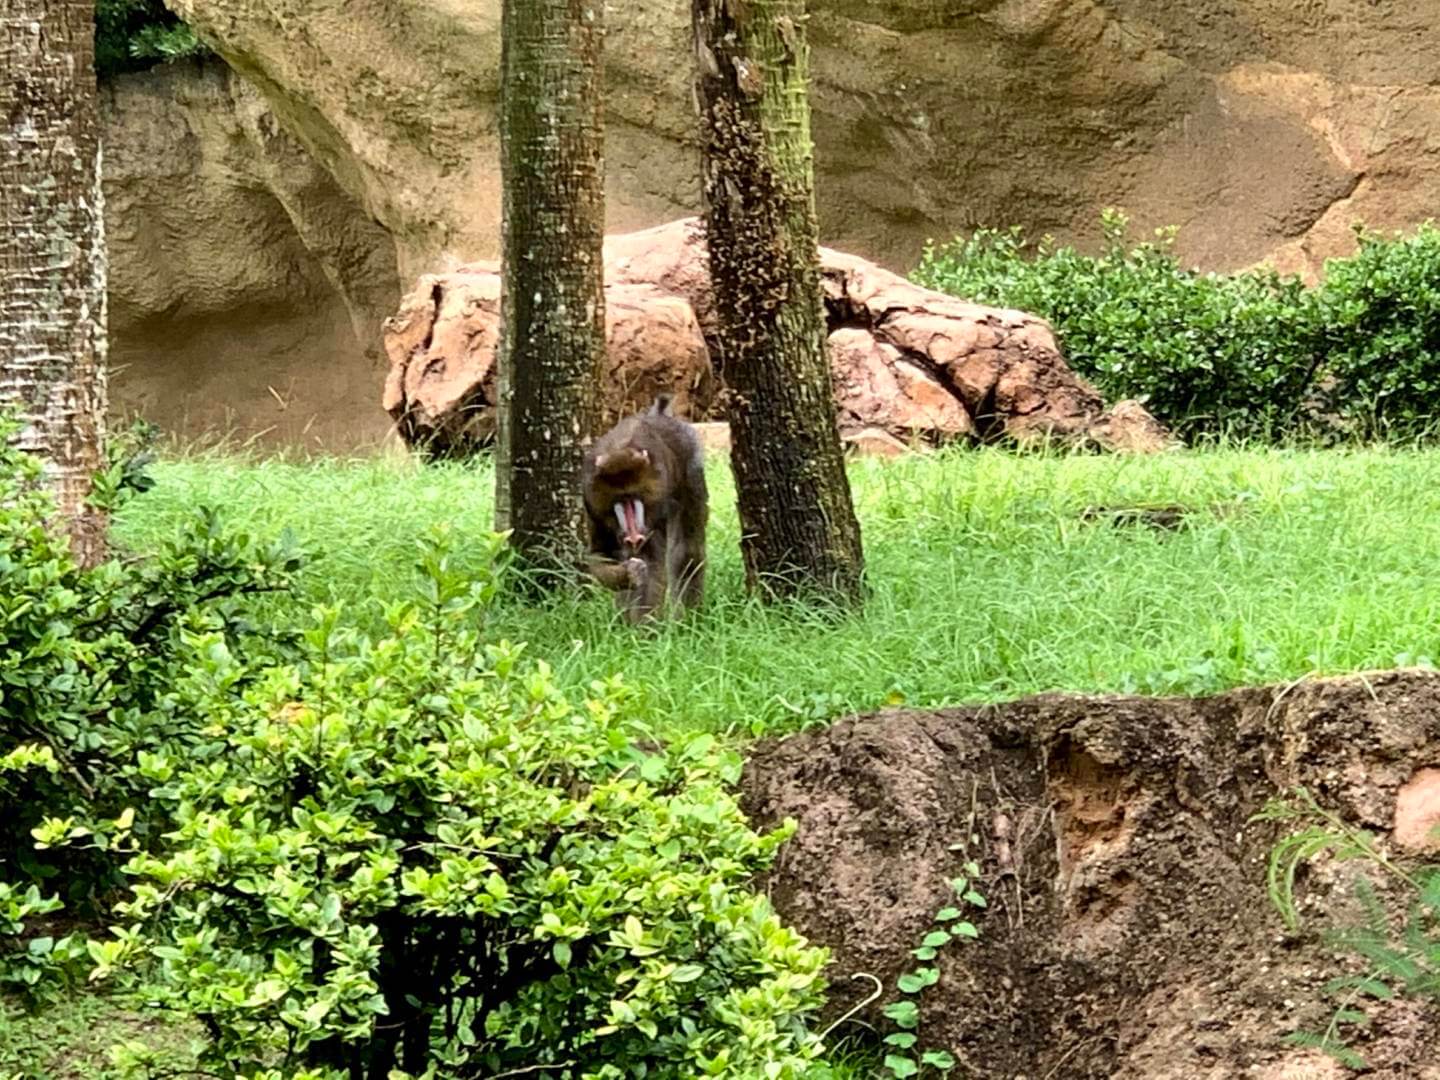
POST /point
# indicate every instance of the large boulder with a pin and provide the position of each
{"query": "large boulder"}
(1128, 934)
(910, 365)
(442, 343)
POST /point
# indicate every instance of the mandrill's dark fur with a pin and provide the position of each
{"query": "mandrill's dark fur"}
(654, 457)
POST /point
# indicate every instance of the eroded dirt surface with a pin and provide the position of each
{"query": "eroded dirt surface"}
(1128, 933)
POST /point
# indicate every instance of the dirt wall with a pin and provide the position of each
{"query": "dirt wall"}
(1128, 934)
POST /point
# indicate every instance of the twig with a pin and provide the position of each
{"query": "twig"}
(531, 1069)
(879, 989)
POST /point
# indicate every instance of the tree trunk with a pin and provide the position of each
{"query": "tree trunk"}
(798, 527)
(52, 251)
(553, 301)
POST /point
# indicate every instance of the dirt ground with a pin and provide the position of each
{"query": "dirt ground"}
(1128, 933)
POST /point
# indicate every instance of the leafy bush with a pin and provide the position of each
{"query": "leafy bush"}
(1382, 323)
(87, 660)
(32, 964)
(1253, 354)
(1207, 352)
(418, 851)
(131, 35)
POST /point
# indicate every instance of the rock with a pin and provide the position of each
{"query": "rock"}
(441, 345)
(873, 442)
(654, 345)
(1127, 933)
(959, 368)
(1128, 427)
(714, 436)
(876, 389)
(1264, 127)
(909, 363)
(246, 287)
(671, 257)
(1417, 813)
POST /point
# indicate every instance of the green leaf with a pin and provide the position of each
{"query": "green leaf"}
(904, 1013)
(317, 1011)
(901, 1067)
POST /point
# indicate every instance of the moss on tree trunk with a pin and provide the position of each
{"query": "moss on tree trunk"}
(799, 531)
(52, 251)
(553, 301)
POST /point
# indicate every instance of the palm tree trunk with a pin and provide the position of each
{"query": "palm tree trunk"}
(52, 251)
(798, 527)
(553, 335)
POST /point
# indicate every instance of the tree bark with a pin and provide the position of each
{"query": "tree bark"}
(52, 251)
(798, 527)
(553, 302)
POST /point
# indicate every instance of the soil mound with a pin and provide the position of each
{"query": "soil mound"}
(1128, 932)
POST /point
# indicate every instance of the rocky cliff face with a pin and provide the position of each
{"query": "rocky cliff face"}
(1262, 128)
(246, 287)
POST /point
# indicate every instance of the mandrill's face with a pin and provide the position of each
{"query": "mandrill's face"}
(623, 480)
(630, 512)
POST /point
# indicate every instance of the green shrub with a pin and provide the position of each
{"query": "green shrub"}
(1382, 324)
(131, 35)
(418, 851)
(1206, 352)
(33, 964)
(87, 661)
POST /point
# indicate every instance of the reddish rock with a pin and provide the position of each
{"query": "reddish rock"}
(873, 442)
(441, 346)
(912, 363)
(654, 345)
(877, 389)
(671, 256)
(714, 435)
(1417, 813)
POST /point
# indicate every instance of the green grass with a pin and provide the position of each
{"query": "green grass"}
(986, 582)
(70, 1039)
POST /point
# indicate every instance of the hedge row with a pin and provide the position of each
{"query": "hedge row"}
(1254, 354)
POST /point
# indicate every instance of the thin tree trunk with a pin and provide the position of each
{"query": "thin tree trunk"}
(553, 335)
(52, 251)
(798, 527)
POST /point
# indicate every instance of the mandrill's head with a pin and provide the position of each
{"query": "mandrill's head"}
(625, 479)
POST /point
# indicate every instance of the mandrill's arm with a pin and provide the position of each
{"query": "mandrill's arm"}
(614, 574)
(608, 562)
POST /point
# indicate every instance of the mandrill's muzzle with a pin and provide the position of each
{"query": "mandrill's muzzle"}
(631, 515)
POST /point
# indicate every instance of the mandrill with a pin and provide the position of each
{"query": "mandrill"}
(644, 488)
